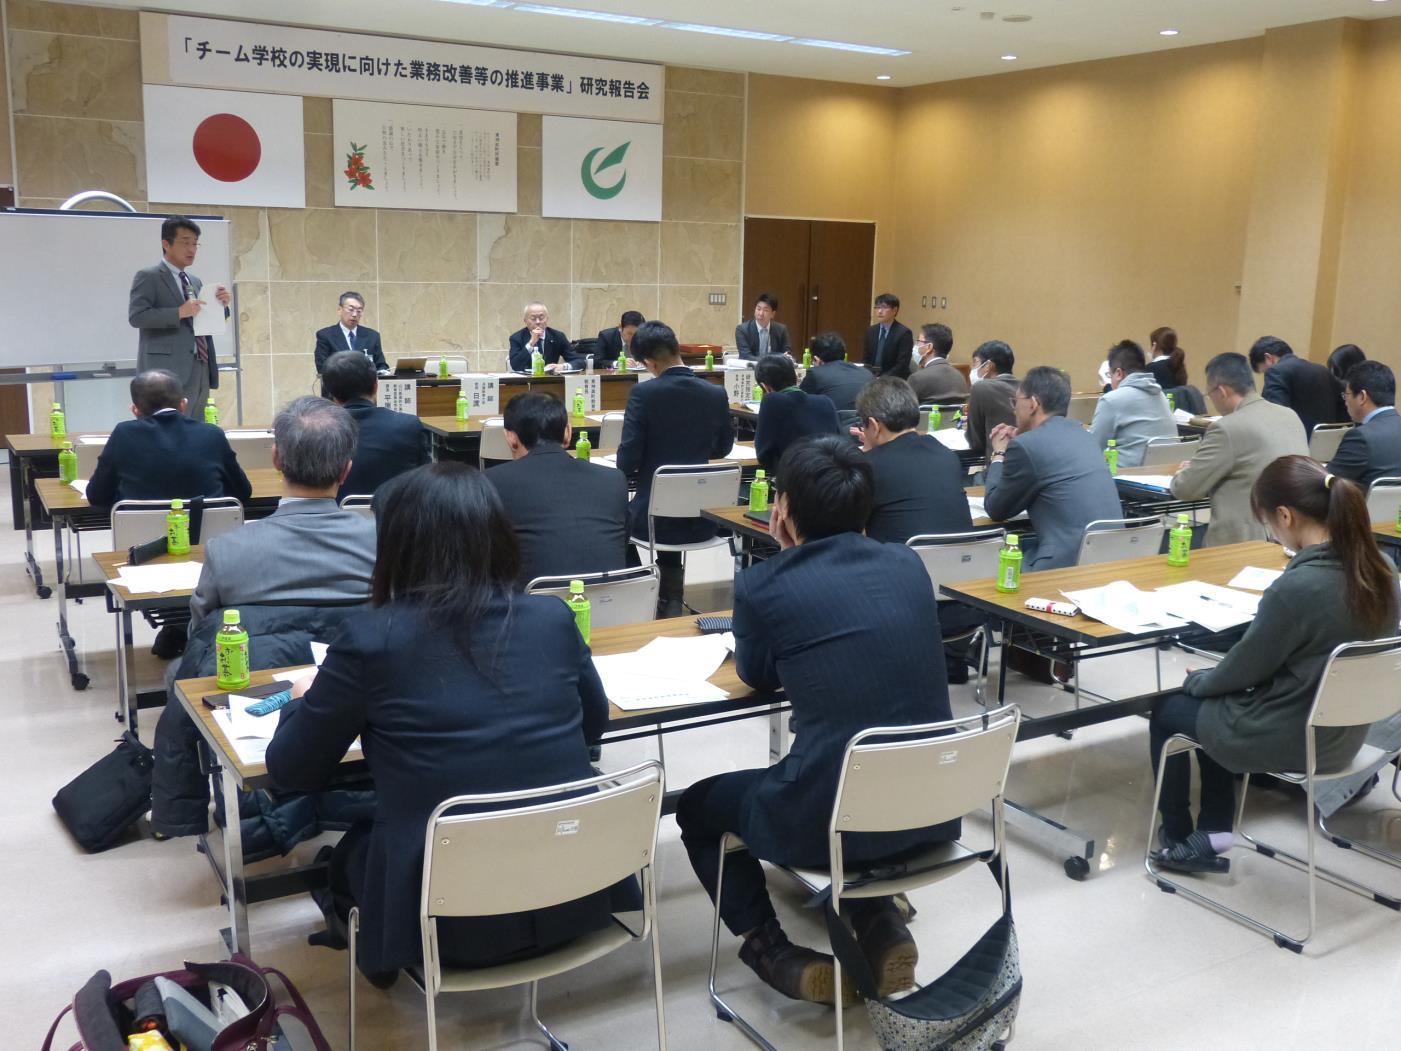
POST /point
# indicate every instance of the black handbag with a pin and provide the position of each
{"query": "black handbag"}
(967, 1008)
(107, 798)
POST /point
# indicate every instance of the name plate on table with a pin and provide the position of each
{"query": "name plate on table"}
(592, 388)
(739, 384)
(483, 393)
(399, 395)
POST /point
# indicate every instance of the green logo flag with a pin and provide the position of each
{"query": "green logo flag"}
(589, 173)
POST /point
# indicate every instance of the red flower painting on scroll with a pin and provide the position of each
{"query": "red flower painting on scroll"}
(356, 170)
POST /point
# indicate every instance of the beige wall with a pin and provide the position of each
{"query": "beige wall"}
(434, 281)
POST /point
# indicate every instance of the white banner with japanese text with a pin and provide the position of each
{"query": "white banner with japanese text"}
(483, 394)
(252, 56)
(399, 395)
(739, 385)
(389, 155)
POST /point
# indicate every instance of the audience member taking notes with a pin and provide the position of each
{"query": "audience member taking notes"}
(551, 343)
(349, 335)
(387, 443)
(1134, 410)
(831, 374)
(786, 412)
(993, 390)
(1372, 449)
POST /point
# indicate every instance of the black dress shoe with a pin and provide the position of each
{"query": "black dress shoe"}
(170, 642)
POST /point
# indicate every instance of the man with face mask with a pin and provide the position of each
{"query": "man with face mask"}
(931, 376)
(992, 391)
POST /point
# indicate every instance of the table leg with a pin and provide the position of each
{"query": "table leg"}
(235, 886)
(1002, 663)
(26, 479)
(70, 648)
(1075, 848)
(126, 711)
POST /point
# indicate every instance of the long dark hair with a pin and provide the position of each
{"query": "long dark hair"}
(1344, 358)
(1302, 484)
(1165, 339)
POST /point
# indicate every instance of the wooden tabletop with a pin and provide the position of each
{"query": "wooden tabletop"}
(1386, 533)
(110, 563)
(61, 498)
(1211, 565)
(450, 425)
(30, 444)
(191, 692)
(744, 459)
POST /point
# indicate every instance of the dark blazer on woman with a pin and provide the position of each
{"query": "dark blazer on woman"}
(787, 415)
(518, 712)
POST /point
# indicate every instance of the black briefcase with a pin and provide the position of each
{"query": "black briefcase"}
(106, 799)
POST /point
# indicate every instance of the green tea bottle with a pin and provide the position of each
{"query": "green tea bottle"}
(759, 492)
(1180, 541)
(57, 429)
(461, 407)
(1009, 565)
(710, 361)
(443, 368)
(67, 463)
(211, 413)
(583, 447)
(1172, 402)
(935, 419)
(578, 405)
(621, 364)
(579, 603)
(177, 529)
(807, 357)
(1111, 456)
(758, 393)
(231, 653)
(537, 363)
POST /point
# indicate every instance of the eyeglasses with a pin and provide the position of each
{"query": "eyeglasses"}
(184, 242)
(353, 310)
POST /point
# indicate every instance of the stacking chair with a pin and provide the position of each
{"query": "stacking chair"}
(619, 596)
(1325, 439)
(252, 447)
(140, 521)
(610, 435)
(1082, 408)
(493, 441)
(1169, 450)
(1355, 690)
(953, 557)
(683, 491)
(530, 851)
(1112, 539)
(895, 778)
(1384, 499)
(362, 503)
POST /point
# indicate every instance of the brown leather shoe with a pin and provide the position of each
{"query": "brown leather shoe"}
(889, 947)
(795, 971)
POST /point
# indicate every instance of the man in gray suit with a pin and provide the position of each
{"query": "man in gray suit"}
(308, 551)
(1050, 467)
(164, 301)
(763, 335)
(1250, 435)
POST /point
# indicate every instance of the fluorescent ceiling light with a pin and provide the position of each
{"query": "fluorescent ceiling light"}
(595, 16)
(1167, 32)
(1009, 58)
(743, 34)
(482, 3)
(837, 45)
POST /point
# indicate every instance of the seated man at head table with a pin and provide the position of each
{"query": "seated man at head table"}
(1250, 434)
(1296, 383)
(786, 413)
(537, 335)
(349, 335)
(676, 418)
(387, 443)
(932, 377)
(831, 374)
(1051, 468)
(1134, 409)
(762, 334)
(888, 343)
(871, 606)
(991, 393)
(293, 577)
(1372, 449)
(618, 340)
(570, 516)
(163, 454)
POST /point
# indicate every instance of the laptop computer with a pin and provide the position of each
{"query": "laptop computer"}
(409, 366)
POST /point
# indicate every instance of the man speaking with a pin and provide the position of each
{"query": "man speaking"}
(164, 301)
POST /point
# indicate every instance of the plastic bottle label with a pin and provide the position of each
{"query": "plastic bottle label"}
(583, 614)
(231, 661)
(56, 425)
(67, 465)
(1179, 546)
(759, 496)
(177, 533)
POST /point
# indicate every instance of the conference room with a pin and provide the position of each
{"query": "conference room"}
(1019, 381)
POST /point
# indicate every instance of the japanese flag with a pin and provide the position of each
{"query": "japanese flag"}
(224, 147)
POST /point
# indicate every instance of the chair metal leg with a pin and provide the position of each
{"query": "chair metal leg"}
(430, 1002)
(656, 962)
(724, 1011)
(556, 1044)
(353, 926)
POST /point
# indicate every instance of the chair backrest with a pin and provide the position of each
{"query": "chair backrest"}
(1169, 450)
(493, 446)
(947, 410)
(1325, 439)
(1188, 399)
(1082, 408)
(1357, 686)
(522, 855)
(1384, 499)
(141, 521)
(1112, 539)
(953, 557)
(622, 596)
(683, 490)
(87, 452)
(361, 502)
(456, 366)
(610, 435)
(906, 777)
(252, 447)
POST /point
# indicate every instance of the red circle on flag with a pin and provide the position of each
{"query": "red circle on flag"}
(226, 147)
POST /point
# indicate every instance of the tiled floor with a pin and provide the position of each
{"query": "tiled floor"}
(1109, 963)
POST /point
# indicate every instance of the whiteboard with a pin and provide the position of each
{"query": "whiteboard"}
(65, 283)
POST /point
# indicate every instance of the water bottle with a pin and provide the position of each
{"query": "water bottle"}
(582, 447)
(958, 419)
(758, 393)
(1180, 541)
(211, 413)
(579, 603)
(443, 368)
(177, 529)
(710, 361)
(231, 653)
(621, 364)
(461, 407)
(67, 463)
(578, 405)
(1009, 566)
(537, 362)
(57, 429)
(935, 418)
(1172, 402)
(759, 492)
(1111, 456)
(807, 357)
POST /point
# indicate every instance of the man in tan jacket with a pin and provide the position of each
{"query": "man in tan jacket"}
(1250, 435)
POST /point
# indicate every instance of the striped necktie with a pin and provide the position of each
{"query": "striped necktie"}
(201, 342)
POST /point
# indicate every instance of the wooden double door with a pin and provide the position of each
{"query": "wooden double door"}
(819, 270)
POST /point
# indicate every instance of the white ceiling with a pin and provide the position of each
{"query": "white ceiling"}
(949, 39)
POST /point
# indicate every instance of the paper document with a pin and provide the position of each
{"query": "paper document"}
(250, 735)
(210, 321)
(81, 486)
(667, 672)
(1182, 416)
(92, 439)
(160, 577)
(293, 674)
(318, 652)
(1255, 579)
(1121, 605)
(1210, 605)
(1148, 481)
(247, 433)
(954, 439)
(739, 449)
(605, 461)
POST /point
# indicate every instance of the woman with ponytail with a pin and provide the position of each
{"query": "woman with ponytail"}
(1249, 711)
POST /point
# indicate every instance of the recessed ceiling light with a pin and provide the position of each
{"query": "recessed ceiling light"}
(837, 45)
(882, 76)
(595, 16)
(1009, 58)
(742, 34)
(483, 3)
(1167, 32)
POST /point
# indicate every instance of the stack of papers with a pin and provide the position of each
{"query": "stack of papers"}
(951, 438)
(665, 673)
(250, 735)
(160, 577)
(81, 486)
(740, 449)
(1148, 481)
(605, 461)
(1121, 605)
(1254, 578)
(1182, 416)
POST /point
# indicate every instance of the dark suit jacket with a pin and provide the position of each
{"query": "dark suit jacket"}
(555, 348)
(610, 345)
(434, 723)
(331, 340)
(390, 443)
(165, 340)
(676, 418)
(787, 415)
(747, 339)
(839, 380)
(919, 489)
(844, 626)
(1306, 387)
(1161, 368)
(1370, 451)
(570, 517)
(166, 457)
(895, 357)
